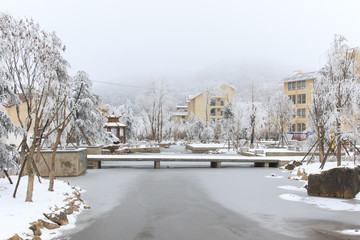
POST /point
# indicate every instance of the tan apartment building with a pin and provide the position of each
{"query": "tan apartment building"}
(209, 105)
(180, 115)
(206, 106)
(299, 87)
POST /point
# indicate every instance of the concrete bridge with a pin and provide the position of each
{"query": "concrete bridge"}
(214, 160)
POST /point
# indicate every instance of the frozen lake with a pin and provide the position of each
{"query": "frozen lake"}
(183, 201)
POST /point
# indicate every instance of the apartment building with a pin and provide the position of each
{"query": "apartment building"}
(209, 105)
(180, 115)
(206, 106)
(299, 87)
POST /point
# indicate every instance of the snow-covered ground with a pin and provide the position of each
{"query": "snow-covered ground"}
(208, 145)
(265, 195)
(16, 214)
(334, 204)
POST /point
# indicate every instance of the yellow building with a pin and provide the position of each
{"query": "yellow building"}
(181, 114)
(209, 105)
(299, 87)
(11, 111)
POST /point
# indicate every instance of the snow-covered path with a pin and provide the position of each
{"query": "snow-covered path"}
(199, 203)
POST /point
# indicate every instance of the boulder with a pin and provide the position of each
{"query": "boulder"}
(69, 210)
(36, 227)
(297, 163)
(49, 225)
(290, 166)
(336, 182)
(112, 148)
(16, 237)
(60, 218)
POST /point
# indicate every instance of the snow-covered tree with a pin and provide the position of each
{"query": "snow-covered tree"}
(281, 108)
(32, 59)
(7, 96)
(154, 106)
(254, 116)
(88, 122)
(126, 111)
(334, 110)
(60, 112)
(269, 129)
(320, 115)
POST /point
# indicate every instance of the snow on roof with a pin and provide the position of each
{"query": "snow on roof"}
(297, 76)
(181, 106)
(229, 86)
(218, 92)
(115, 124)
(193, 96)
(113, 116)
(179, 114)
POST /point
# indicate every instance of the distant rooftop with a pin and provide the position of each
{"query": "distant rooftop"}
(298, 76)
(218, 92)
(179, 114)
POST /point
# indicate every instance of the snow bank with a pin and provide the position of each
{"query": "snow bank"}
(336, 204)
(208, 145)
(314, 168)
(16, 214)
(355, 232)
(326, 203)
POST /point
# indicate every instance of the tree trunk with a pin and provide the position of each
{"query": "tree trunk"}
(252, 136)
(320, 137)
(53, 161)
(338, 147)
(30, 186)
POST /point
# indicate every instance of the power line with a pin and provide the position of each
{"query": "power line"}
(138, 87)
(119, 84)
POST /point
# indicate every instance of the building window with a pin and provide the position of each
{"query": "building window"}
(301, 84)
(292, 98)
(213, 112)
(301, 112)
(292, 127)
(222, 113)
(222, 103)
(301, 127)
(291, 86)
(212, 102)
(301, 98)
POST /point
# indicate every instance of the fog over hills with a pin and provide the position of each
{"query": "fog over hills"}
(263, 76)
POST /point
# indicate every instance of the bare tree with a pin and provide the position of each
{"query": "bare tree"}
(32, 58)
(281, 108)
(340, 72)
(154, 104)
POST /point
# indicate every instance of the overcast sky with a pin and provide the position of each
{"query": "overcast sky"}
(132, 41)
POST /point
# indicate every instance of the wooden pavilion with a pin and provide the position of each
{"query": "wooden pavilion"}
(114, 126)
